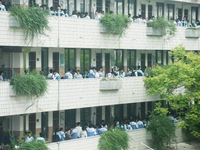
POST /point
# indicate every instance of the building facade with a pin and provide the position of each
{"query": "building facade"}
(80, 44)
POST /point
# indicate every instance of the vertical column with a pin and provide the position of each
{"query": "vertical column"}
(146, 109)
(78, 116)
(138, 110)
(61, 63)
(50, 57)
(50, 125)
(103, 113)
(38, 123)
(78, 59)
(125, 60)
(93, 58)
(104, 5)
(126, 8)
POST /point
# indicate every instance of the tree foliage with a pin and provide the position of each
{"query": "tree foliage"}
(114, 139)
(179, 84)
(162, 128)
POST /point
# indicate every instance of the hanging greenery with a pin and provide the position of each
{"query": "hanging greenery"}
(115, 24)
(31, 85)
(114, 139)
(163, 24)
(33, 21)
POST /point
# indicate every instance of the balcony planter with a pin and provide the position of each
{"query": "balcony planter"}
(160, 27)
(192, 33)
(150, 31)
(106, 85)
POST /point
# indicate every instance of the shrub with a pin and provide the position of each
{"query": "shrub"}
(33, 21)
(115, 24)
(163, 24)
(30, 85)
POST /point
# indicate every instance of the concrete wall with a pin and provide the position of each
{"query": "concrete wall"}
(138, 136)
(83, 33)
(69, 94)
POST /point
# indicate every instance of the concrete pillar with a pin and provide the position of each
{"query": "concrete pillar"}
(125, 60)
(103, 113)
(62, 119)
(78, 116)
(93, 58)
(50, 125)
(77, 59)
(125, 111)
(38, 123)
(138, 110)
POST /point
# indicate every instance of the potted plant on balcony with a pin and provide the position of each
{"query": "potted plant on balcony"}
(32, 21)
(160, 27)
(114, 24)
(192, 32)
(110, 84)
(31, 85)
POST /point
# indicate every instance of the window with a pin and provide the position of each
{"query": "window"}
(85, 56)
(185, 13)
(56, 61)
(82, 5)
(45, 61)
(143, 11)
(70, 58)
(194, 14)
(71, 6)
(32, 3)
(119, 4)
(180, 14)
(159, 57)
(160, 9)
(170, 11)
(131, 58)
(45, 2)
(149, 60)
(107, 6)
(119, 58)
(99, 5)
(55, 4)
(88, 6)
(32, 61)
(150, 9)
(131, 7)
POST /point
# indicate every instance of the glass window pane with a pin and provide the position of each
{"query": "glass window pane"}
(87, 6)
(71, 6)
(131, 7)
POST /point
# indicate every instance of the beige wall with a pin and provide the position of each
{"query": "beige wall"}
(83, 33)
(76, 93)
(137, 136)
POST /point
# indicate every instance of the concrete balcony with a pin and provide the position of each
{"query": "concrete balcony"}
(76, 93)
(84, 33)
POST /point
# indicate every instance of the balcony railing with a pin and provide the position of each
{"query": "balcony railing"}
(72, 94)
(87, 33)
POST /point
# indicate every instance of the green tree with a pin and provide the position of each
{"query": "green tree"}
(162, 128)
(179, 84)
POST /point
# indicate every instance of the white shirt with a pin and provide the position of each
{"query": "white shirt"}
(69, 75)
(79, 129)
(2, 7)
(40, 139)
